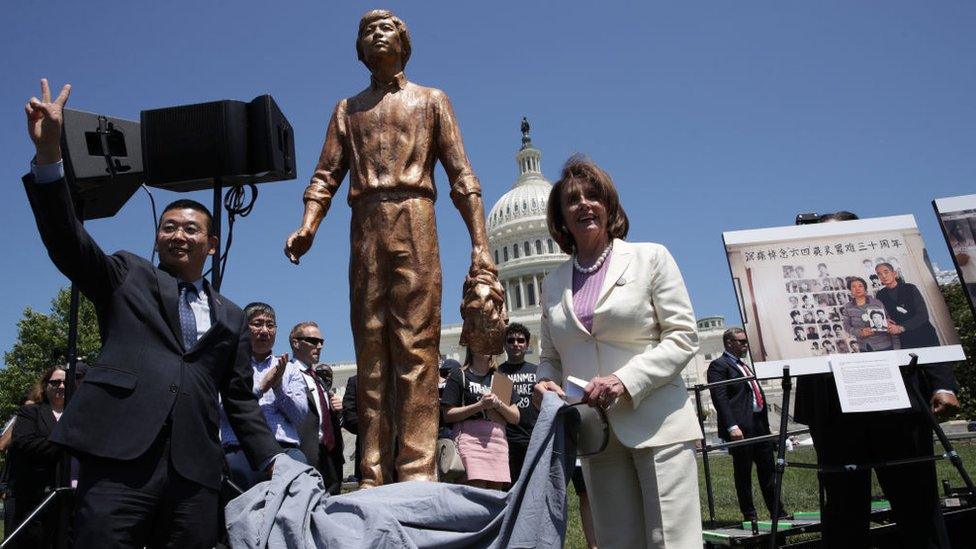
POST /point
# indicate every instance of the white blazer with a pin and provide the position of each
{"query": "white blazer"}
(644, 332)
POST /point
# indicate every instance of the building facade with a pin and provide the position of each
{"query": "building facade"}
(521, 247)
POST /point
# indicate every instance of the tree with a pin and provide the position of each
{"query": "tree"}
(962, 316)
(42, 340)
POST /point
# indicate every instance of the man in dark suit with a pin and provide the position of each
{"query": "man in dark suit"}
(144, 425)
(743, 413)
(320, 433)
(872, 437)
(350, 420)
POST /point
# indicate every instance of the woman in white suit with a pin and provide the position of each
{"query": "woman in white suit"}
(618, 315)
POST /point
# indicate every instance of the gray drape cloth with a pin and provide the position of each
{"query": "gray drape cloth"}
(293, 510)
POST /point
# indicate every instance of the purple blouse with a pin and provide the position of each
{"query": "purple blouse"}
(586, 290)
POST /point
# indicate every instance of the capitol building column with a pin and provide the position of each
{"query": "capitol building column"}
(515, 222)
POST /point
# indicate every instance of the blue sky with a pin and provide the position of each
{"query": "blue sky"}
(710, 117)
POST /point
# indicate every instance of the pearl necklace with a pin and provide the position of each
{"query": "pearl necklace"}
(596, 265)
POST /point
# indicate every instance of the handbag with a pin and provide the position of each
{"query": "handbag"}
(449, 465)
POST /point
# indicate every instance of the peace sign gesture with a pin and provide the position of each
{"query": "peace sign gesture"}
(44, 122)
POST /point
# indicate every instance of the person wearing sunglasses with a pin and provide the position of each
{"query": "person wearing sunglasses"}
(320, 430)
(35, 459)
(743, 413)
(523, 376)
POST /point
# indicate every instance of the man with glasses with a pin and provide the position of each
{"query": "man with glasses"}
(319, 431)
(743, 413)
(280, 390)
(523, 376)
(144, 424)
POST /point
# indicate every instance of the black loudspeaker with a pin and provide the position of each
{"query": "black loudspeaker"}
(187, 148)
(270, 141)
(102, 161)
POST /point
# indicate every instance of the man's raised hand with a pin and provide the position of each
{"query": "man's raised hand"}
(44, 120)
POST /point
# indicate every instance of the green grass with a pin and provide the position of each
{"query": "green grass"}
(800, 492)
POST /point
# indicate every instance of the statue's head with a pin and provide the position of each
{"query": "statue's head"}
(381, 32)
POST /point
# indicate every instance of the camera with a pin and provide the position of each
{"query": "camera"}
(808, 218)
(324, 373)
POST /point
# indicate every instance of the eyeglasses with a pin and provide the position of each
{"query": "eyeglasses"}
(258, 324)
(516, 340)
(55, 382)
(311, 340)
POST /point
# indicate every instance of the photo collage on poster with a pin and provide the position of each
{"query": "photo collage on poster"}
(817, 301)
(811, 292)
(958, 218)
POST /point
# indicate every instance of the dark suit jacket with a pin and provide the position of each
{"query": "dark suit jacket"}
(734, 402)
(35, 458)
(144, 378)
(350, 419)
(308, 434)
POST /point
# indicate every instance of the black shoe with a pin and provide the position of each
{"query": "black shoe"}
(786, 516)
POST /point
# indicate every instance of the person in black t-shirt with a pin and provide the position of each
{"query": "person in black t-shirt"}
(523, 376)
(479, 419)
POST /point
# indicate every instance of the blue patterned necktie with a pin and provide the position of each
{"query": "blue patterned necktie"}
(188, 322)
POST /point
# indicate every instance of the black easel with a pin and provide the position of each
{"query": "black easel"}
(706, 447)
(951, 453)
(918, 401)
(780, 455)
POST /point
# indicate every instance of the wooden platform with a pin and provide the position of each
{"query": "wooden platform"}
(960, 519)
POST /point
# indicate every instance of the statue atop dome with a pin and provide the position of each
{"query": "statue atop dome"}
(526, 140)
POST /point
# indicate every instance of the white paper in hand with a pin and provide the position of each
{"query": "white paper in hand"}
(574, 388)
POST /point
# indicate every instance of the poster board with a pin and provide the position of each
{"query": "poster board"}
(502, 386)
(796, 284)
(957, 217)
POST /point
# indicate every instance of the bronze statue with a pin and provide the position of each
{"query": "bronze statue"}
(389, 136)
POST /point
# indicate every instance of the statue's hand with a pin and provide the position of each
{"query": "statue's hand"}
(483, 311)
(481, 261)
(298, 243)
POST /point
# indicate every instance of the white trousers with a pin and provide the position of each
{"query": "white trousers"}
(644, 497)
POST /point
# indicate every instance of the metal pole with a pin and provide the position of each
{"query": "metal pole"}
(215, 274)
(705, 466)
(820, 489)
(71, 359)
(950, 451)
(8, 541)
(780, 456)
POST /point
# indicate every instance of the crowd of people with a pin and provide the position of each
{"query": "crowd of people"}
(306, 417)
(133, 458)
(616, 315)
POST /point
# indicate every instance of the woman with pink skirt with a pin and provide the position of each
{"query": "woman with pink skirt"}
(479, 419)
